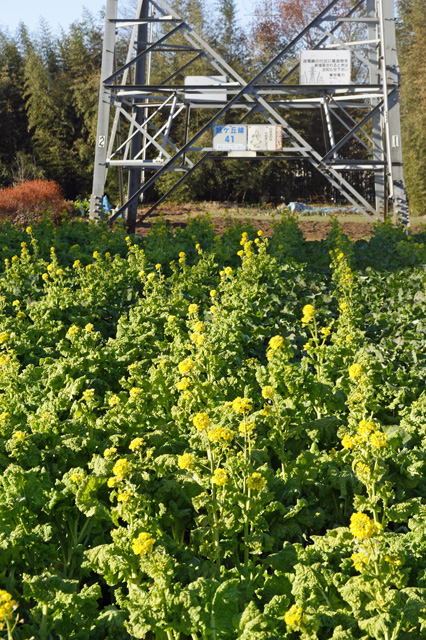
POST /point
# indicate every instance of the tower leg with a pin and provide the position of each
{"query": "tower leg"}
(104, 107)
(397, 188)
(139, 117)
(377, 134)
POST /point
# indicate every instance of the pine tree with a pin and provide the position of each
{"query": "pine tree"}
(228, 38)
(412, 57)
(61, 82)
(13, 117)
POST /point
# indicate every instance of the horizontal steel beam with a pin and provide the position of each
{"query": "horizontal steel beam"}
(143, 164)
(136, 21)
(362, 20)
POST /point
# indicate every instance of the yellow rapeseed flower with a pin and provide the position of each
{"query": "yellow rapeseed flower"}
(276, 342)
(186, 365)
(199, 340)
(378, 439)
(364, 431)
(218, 434)
(348, 442)
(355, 371)
(136, 444)
(114, 400)
(143, 544)
(360, 560)
(199, 327)
(19, 436)
(125, 495)
(89, 327)
(183, 384)
(77, 476)
(361, 526)
(4, 417)
(308, 313)
(135, 392)
(255, 481)
(7, 606)
(201, 421)
(220, 477)
(122, 468)
(393, 559)
(362, 471)
(4, 337)
(88, 394)
(246, 427)
(192, 309)
(186, 461)
(110, 452)
(268, 392)
(242, 405)
(366, 424)
(294, 618)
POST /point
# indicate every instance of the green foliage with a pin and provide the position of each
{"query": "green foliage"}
(208, 437)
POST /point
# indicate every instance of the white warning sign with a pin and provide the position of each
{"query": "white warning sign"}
(264, 137)
(325, 66)
(208, 94)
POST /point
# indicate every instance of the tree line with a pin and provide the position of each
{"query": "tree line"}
(49, 91)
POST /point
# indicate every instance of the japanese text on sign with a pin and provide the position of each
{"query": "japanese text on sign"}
(264, 137)
(230, 137)
(325, 66)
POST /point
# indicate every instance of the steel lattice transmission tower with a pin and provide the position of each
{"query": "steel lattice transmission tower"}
(139, 111)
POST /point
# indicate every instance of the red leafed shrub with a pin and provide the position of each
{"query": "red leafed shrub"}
(31, 197)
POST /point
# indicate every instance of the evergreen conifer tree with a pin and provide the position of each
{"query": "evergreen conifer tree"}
(412, 58)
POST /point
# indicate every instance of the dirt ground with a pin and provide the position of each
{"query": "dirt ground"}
(222, 214)
(314, 227)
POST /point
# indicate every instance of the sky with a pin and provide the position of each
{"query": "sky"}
(61, 13)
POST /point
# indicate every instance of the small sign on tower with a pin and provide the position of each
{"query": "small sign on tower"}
(325, 66)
